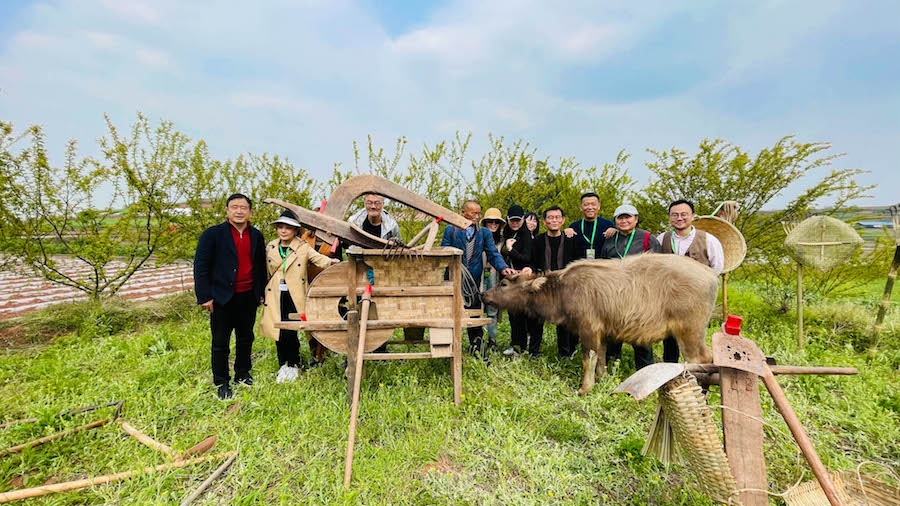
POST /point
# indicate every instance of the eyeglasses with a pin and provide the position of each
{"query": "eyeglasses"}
(682, 215)
(238, 207)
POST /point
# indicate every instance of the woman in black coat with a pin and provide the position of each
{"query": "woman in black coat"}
(516, 250)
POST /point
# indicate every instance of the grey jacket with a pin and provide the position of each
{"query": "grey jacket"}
(389, 227)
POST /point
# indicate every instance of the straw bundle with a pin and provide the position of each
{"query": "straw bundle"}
(733, 243)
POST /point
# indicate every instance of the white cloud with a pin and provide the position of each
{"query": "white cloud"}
(152, 57)
(133, 9)
(103, 40)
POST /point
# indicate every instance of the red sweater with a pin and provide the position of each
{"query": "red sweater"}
(243, 281)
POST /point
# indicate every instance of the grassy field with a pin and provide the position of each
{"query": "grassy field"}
(521, 436)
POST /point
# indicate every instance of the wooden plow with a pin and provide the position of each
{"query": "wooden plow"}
(348, 315)
(189, 457)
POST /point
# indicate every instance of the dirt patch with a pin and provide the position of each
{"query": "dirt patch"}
(50, 481)
(17, 482)
(442, 465)
(19, 336)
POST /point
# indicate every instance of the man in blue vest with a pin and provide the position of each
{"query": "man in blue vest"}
(475, 241)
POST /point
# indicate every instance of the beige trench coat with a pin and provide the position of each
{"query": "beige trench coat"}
(295, 276)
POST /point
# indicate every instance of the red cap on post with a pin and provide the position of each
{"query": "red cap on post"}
(322, 206)
(369, 289)
(733, 325)
(303, 317)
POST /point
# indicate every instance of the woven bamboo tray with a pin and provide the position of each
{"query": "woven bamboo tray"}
(852, 493)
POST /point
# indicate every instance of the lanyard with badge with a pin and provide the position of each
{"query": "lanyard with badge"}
(674, 248)
(284, 252)
(589, 253)
(627, 247)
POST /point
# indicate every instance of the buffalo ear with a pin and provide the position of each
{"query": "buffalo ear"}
(537, 284)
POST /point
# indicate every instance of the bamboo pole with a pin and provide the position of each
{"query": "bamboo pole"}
(800, 338)
(52, 437)
(885, 301)
(74, 411)
(213, 477)
(357, 378)
(724, 296)
(145, 439)
(99, 480)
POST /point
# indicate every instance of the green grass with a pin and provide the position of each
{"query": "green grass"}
(521, 435)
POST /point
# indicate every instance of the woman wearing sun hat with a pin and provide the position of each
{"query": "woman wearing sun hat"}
(493, 221)
(286, 260)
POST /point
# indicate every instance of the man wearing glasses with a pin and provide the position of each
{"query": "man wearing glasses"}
(552, 251)
(229, 279)
(374, 220)
(686, 240)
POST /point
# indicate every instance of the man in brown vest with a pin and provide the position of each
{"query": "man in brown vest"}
(686, 240)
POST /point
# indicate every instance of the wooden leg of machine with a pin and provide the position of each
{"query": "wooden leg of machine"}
(800, 338)
(744, 435)
(352, 347)
(357, 377)
(456, 347)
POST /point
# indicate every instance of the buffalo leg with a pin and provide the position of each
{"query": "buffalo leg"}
(693, 345)
(590, 364)
(600, 365)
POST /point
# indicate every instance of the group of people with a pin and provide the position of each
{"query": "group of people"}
(235, 271)
(499, 247)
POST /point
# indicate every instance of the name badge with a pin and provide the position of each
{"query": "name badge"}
(590, 254)
(283, 286)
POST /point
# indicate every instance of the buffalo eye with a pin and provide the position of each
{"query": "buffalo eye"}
(504, 283)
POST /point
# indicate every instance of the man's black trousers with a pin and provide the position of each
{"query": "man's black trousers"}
(239, 315)
(521, 327)
(643, 356)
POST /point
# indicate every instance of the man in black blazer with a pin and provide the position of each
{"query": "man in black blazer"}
(552, 251)
(229, 279)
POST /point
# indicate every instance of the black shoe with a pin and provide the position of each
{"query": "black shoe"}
(313, 363)
(224, 392)
(492, 345)
(246, 381)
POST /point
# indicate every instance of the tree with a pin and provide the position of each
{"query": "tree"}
(721, 171)
(111, 214)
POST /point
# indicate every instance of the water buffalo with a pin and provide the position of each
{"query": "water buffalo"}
(639, 300)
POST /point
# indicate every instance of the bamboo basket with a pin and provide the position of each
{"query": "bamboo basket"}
(853, 489)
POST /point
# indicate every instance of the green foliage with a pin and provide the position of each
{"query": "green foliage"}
(720, 171)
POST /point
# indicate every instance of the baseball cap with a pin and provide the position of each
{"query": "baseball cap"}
(625, 209)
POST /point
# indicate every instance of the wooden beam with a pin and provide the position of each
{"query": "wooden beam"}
(52, 437)
(397, 356)
(443, 251)
(381, 291)
(743, 434)
(781, 369)
(380, 324)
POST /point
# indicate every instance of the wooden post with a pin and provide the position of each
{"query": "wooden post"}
(203, 486)
(456, 346)
(744, 435)
(724, 297)
(800, 338)
(352, 325)
(357, 378)
(885, 301)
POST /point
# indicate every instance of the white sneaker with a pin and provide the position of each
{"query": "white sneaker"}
(292, 374)
(282, 375)
(509, 351)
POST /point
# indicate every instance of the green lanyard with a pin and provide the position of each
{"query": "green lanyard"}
(284, 254)
(593, 234)
(627, 247)
(672, 238)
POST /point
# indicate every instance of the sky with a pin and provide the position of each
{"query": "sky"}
(304, 79)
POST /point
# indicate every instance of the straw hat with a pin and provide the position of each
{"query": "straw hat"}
(492, 214)
(733, 243)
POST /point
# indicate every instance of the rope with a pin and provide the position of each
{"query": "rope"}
(470, 290)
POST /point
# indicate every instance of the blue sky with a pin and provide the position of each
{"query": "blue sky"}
(585, 79)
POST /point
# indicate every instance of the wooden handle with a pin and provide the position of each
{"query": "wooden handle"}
(800, 435)
(357, 379)
(52, 437)
(203, 486)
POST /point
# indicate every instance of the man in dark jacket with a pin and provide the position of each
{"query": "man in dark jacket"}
(229, 280)
(474, 242)
(552, 251)
(592, 230)
(629, 240)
